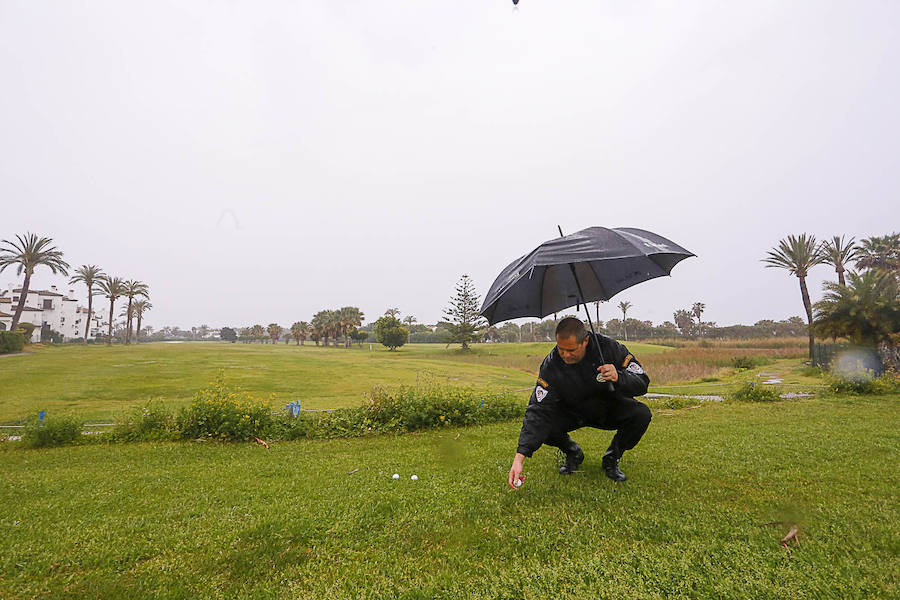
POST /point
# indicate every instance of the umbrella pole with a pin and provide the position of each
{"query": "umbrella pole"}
(587, 311)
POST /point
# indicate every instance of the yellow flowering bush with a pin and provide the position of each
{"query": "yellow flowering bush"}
(223, 412)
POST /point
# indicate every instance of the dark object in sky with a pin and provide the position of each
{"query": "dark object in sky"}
(592, 264)
(515, 2)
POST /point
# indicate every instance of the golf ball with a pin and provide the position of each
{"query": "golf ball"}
(518, 483)
(414, 477)
(396, 475)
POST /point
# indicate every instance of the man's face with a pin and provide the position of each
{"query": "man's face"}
(570, 350)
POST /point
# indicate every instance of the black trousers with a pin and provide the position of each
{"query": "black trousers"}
(626, 416)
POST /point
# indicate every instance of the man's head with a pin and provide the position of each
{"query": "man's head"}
(571, 340)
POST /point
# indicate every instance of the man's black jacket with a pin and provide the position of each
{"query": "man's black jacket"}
(570, 394)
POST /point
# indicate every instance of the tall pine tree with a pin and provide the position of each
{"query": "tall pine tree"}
(463, 313)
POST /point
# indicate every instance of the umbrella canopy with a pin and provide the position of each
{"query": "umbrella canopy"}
(605, 262)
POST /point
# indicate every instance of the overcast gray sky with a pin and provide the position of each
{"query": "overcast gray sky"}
(260, 161)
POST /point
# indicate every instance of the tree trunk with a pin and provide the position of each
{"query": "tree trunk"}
(137, 336)
(128, 322)
(87, 327)
(112, 304)
(840, 273)
(21, 304)
(809, 318)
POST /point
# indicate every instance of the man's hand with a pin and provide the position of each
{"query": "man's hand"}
(608, 372)
(515, 473)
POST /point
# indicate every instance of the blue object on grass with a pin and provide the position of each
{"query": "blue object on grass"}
(43, 414)
(294, 407)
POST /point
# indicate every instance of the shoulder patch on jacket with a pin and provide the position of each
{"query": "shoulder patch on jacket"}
(540, 393)
(627, 360)
(635, 368)
(542, 383)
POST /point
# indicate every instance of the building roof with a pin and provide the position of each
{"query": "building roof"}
(39, 292)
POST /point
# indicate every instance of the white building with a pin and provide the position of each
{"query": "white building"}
(50, 309)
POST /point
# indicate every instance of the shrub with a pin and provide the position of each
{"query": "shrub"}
(862, 383)
(52, 431)
(149, 422)
(27, 330)
(673, 403)
(11, 342)
(742, 362)
(402, 409)
(755, 393)
(427, 406)
(224, 413)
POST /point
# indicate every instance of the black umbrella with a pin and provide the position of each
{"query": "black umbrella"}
(592, 264)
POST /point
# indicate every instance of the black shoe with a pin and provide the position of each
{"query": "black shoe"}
(611, 466)
(573, 461)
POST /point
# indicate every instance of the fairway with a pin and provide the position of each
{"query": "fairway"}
(711, 492)
(99, 382)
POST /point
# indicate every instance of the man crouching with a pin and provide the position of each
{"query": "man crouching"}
(576, 389)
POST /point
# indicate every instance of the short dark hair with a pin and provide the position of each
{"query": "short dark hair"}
(571, 326)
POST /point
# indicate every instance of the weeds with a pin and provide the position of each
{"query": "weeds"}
(755, 393)
(862, 383)
(51, 431)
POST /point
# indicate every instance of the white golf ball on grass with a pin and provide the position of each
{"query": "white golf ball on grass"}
(395, 476)
(414, 477)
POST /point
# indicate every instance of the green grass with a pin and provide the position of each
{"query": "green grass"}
(99, 382)
(238, 521)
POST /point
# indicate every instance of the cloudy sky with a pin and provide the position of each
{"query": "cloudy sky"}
(260, 161)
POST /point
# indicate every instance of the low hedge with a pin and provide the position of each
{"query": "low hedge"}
(11, 342)
(224, 413)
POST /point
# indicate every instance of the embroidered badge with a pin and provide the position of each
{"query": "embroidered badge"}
(540, 393)
(635, 368)
(542, 383)
(627, 360)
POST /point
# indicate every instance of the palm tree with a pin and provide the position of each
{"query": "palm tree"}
(798, 254)
(88, 275)
(880, 253)
(624, 305)
(697, 310)
(113, 288)
(321, 325)
(299, 331)
(392, 312)
(838, 253)
(274, 330)
(350, 318)
(139, 308)
(133, 288)
(867, 311)
(409, 320)
(28, 253)
(257, 332)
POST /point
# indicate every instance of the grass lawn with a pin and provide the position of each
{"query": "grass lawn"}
(323, 519)
(97, 382)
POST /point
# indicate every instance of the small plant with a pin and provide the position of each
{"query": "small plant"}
(742, 362)
(222, 412)
(751, 392)
(52, 431)
(862, 383)
(149, 422)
